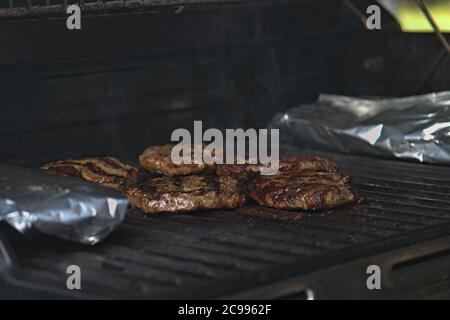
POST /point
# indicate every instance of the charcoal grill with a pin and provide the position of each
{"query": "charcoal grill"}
(125, 81)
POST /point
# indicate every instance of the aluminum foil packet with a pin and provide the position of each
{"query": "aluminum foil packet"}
(415, 128)
(65, 207)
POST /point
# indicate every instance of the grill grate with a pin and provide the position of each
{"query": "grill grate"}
(218, 253)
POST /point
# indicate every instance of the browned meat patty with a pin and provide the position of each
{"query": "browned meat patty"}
(294, 163)
(157, 159)
(186, 193)
(309, 190)
(107, 171)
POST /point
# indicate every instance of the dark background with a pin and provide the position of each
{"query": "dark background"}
(128, 79)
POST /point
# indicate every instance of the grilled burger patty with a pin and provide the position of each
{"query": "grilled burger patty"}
(294, 163)
(302, 190)
(157, 159)
(186, 193)
(107, 171)
(301, 183)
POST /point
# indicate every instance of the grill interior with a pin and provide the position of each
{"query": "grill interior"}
(225, 252)
(126, 81)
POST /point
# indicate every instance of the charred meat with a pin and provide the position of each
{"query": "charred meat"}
(107, 171)
(158, 160)
(301, 183)
(309, 190)
(295, 163)
(183, 194)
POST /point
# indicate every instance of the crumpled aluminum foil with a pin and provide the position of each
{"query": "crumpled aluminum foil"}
(65, 207)
(414, 128)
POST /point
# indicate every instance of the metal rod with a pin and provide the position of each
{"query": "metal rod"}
(356, 12)
(430, 18)
(438, 62)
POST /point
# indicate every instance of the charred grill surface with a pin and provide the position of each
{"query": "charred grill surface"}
(107, 171)
(182, 194)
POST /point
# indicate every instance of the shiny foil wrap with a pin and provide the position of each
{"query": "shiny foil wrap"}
(414, 128)
(68, 208)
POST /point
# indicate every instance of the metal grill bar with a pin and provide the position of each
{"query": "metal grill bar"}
(42, 8)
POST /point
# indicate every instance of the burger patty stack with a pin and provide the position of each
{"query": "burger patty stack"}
(159, 185)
